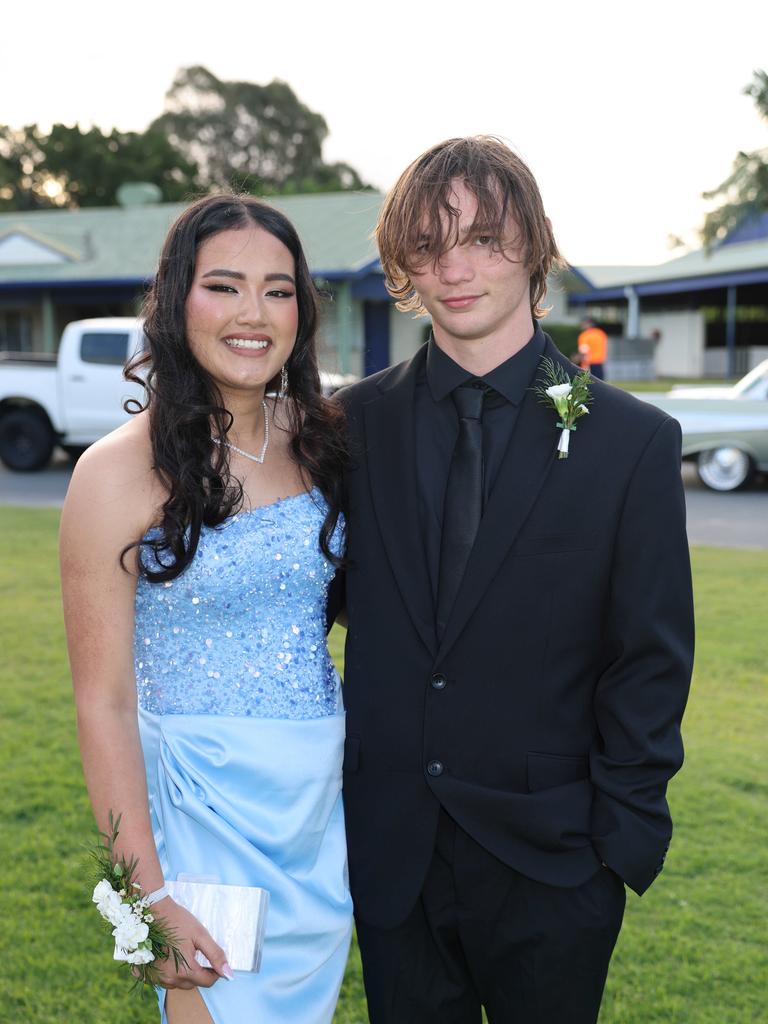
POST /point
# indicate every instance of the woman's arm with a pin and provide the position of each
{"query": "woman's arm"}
(101, 515)
(111, 500)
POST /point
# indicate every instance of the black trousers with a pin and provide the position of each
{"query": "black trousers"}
(481, 934)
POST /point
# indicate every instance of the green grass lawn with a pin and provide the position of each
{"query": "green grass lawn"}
(692, 951)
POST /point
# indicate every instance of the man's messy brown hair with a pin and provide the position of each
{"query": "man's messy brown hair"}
(421, 206)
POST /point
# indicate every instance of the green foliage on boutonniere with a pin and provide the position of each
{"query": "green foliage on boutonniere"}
(569, 397)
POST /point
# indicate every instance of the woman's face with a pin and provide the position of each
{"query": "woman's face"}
(241, 310)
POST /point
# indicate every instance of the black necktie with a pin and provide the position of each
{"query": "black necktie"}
(463, 507)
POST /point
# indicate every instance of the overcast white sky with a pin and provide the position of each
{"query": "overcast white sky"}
(625, 111)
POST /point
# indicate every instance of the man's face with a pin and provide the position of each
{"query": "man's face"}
(477, 294)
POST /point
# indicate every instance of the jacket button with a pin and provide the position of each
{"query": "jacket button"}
(435, 768)
(438, 681)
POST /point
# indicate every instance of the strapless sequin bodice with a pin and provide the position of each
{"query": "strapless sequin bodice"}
(242, 630)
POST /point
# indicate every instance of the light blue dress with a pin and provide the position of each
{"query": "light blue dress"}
(243, 731)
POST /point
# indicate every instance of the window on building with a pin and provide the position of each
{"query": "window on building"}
(106, 347)
(15, 331)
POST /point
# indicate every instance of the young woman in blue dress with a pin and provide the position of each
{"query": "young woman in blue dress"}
(197, 545)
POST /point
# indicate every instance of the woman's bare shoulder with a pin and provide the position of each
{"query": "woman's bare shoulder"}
(115, 479)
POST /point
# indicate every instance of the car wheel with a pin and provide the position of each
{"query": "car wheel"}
(725, 469)
(26, 440)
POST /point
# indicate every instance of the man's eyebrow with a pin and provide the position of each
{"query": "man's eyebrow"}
(478, 228)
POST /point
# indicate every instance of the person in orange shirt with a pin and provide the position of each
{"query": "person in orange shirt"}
(593, 346)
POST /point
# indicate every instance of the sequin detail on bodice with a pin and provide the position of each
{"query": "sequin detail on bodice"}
(242, 630)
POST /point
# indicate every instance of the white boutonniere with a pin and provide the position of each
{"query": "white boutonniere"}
(568, 397)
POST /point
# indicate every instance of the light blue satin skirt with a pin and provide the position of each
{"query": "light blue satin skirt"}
(256, 801)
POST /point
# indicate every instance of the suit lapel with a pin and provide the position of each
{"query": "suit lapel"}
(391, 459)
(527, 462)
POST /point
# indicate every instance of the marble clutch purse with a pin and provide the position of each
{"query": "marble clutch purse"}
(234, 915)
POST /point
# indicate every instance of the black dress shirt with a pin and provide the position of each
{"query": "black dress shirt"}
(436, 429)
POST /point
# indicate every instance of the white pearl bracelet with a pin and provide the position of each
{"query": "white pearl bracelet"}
(157, 895)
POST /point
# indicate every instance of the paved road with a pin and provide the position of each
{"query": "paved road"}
(737, 520)
(36, 489)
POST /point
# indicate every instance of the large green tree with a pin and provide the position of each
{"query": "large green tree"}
(744, 193)
(91, 166)
(21, 180)
(69, 167)
(260, 138)
(212, 134)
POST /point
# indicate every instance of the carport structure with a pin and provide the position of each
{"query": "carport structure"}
(709, 308)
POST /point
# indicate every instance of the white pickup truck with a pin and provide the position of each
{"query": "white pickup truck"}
(71, 399)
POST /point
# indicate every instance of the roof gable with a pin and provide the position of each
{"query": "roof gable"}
(123, 244)
(19, 247)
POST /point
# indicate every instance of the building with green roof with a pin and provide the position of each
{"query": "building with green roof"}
(707, 310)
(63, 265)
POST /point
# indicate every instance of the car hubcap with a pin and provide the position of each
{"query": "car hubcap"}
(724, 468)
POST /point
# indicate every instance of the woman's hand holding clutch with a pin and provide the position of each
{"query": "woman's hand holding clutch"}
(191, 936)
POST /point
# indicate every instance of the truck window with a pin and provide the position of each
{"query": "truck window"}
(106, 347)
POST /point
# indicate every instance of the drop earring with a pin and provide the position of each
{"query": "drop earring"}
(283, 393)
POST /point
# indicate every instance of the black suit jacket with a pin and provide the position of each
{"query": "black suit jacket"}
(546, 721)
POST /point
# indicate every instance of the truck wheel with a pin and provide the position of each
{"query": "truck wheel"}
(74, 451)
(26, 441)
(725, 468)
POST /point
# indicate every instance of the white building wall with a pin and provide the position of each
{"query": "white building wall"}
(556, 299)
(326, 337)
(330, 342)
(717, 364)
(357, 339)
(680, 352)
(406, 333)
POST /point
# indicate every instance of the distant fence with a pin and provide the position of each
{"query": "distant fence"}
(745, 359)
(630, 359)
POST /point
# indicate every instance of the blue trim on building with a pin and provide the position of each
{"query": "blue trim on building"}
(371, 287)
(699, 284)
(751, 229)
(677, 286)
(72, 285)
(597, 295)
(331, 275)
(366, 284)
(376, 355)
(349, 275)
(371, 267)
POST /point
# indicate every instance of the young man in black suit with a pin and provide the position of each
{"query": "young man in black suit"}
(520, 628)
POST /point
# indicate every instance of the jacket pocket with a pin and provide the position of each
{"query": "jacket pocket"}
(351, 754)
(546, 771)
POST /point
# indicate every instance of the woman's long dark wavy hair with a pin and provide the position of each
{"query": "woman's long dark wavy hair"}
(186, 409)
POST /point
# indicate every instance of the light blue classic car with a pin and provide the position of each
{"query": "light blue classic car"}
(725, 429)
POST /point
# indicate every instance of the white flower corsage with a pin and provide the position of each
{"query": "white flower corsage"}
(140, 937)
(568, 397)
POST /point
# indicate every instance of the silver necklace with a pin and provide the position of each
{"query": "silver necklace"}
(247, 455)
